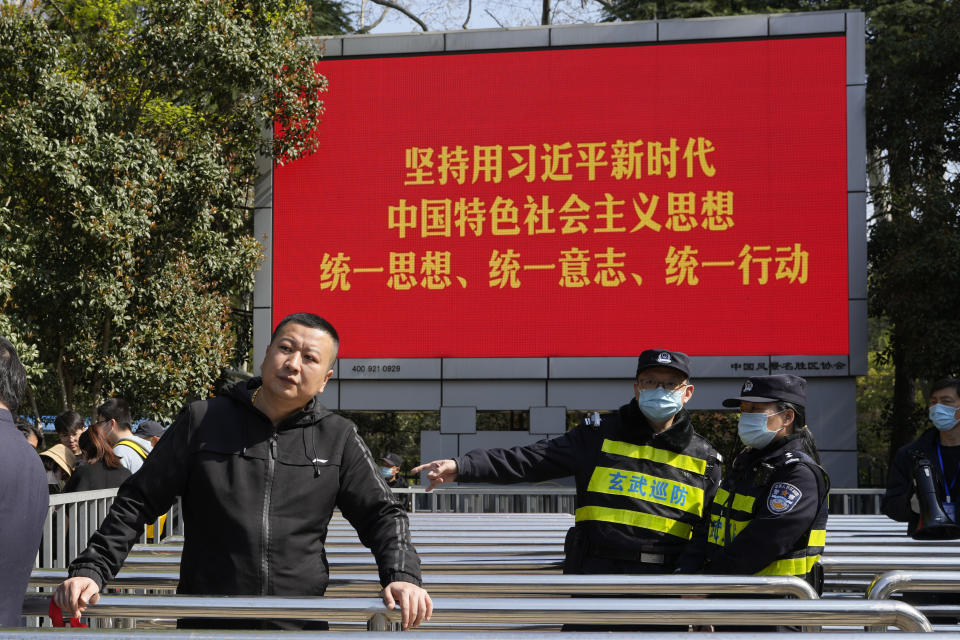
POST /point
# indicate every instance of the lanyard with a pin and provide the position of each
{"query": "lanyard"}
(944, 472)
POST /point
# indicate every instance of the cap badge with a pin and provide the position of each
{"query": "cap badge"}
(664, 357)
(747, 386)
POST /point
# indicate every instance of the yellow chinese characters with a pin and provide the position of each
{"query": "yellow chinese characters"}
(539, 215)
(561, 161)
(792, 264)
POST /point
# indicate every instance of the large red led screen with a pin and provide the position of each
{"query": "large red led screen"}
(576, 202)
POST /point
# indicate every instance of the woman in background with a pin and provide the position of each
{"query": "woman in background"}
(103, 469)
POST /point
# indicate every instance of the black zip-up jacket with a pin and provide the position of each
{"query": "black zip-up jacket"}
(257, 501)
(577, 453)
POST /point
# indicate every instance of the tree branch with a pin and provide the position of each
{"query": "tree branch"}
(469, 10)
(373, 24)
(394, 5)
(606, 4)
(545, 13)
(500, 24)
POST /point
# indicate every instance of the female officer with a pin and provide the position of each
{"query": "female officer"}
(769, 516)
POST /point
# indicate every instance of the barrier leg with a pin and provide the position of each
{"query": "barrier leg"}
(380, 622)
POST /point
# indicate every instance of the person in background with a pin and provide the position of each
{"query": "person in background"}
(150, 431)
(103, 469)
(940, 444)
(69, 426)
(24, 497)
(114, 416)
(58, 461)
(30, 431)
(390, 469)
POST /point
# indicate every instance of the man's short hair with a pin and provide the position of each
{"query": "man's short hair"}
(116, 409)
(946, 383)
(68, 423)
(13, 377)
(314, 322)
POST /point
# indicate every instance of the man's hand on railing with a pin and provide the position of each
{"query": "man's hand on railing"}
(438, 472)
(74, 594)
(415, 603)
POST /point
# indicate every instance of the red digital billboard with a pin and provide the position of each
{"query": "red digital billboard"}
(575, 202)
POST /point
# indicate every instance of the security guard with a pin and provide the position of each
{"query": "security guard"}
(644, 478)
(770, 514)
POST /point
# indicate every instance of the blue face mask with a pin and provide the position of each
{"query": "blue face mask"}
(386, 472)
(942, 418)
(753, 431)
(659, 405)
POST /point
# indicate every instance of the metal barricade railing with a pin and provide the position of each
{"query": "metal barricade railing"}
(899, 581)
(521, 585)
(194, 634)
(516, 611)
(547, 499)
(73, 517)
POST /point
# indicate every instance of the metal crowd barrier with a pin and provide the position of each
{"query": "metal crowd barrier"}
(516, 611)
(95, 634)
(899, 581)
(521, 585)
(73, 517)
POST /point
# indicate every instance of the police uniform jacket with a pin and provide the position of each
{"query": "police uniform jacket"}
(896, 501)
(640, 494)
(770, 514)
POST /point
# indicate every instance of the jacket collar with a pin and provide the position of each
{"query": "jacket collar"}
(749, 457)
(311, 413)
(676, 438)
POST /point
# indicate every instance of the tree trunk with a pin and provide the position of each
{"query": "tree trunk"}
(545, 14)
(98, 380)
(62, 380)
(902, 428)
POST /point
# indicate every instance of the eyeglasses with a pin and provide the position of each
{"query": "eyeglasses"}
(647, 384)
(100, 422)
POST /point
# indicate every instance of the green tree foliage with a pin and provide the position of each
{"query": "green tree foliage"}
(913, 112)
(669, 9)
(327, 17)
(913, 121)
(129, 136)
(395, 432)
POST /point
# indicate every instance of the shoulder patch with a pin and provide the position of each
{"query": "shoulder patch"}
(783, 497)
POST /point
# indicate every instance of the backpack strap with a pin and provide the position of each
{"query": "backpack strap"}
(133, 445)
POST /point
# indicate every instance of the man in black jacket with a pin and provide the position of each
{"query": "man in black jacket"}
(267, 464)
(940, 445)
(644, 478)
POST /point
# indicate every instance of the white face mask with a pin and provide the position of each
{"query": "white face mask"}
(752, 429)
(659, 405)
(942, 416)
